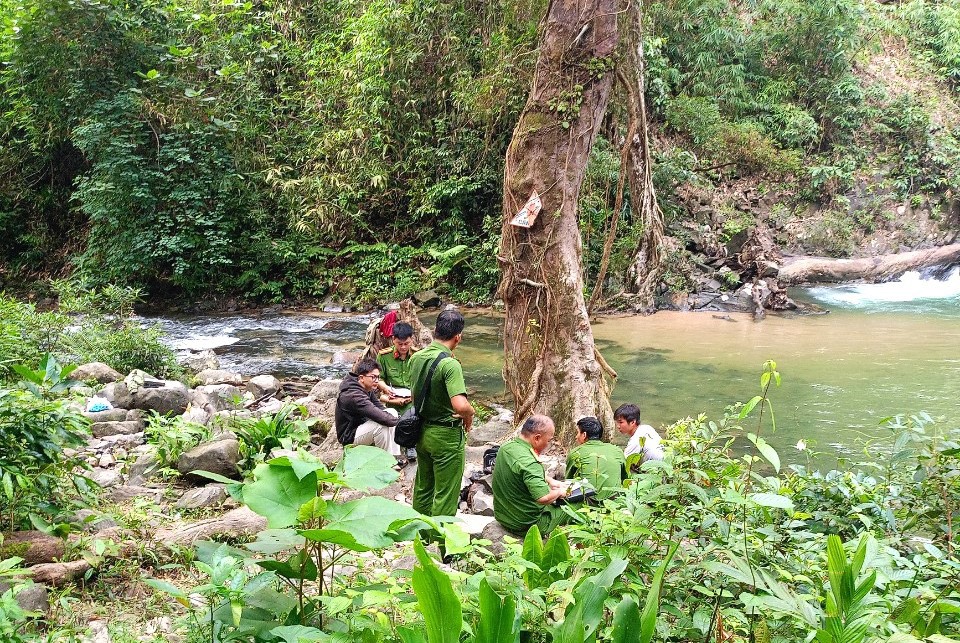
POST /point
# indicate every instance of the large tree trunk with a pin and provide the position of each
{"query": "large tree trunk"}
(551, 364)
(824, 269)
(647, 266)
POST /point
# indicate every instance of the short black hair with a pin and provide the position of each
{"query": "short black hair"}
(535, 425)
(628, 412)
(365, 366)
(402, 330)
(449, 324)
(591, 426)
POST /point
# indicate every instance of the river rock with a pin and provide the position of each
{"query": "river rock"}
(97, 371)
(99, 633)
(106, 478)
(104, 429)
(210, 376)
(262, 385)
(113, 415)
(331, 306)
(207, 496)
(106, 460)
(427, 299)
(144, 467)
(199, 360)
(270, 407)
(31, 598)
(124, 493)
(325, 390)
(495, 533)
(216, 397)
(34, 547)
(482, 502)
(117, 394)
(493, 430)
(123, 440)
(173, 397)
(197, 415)
(219, 457)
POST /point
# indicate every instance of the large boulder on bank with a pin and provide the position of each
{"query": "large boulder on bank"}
(263, 385)
(210, 376)
(216, 397)
(173, 397)
(97, 371)
(219, 457)
(170, 397)
(103, 429)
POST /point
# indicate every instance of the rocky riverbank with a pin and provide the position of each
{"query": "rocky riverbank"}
(123, 460)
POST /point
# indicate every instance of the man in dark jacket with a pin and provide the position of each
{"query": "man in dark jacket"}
(360, 417)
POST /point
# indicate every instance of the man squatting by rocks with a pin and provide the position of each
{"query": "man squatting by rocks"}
(360, 417)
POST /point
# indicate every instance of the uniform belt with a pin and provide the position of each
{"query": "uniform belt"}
(453, 423)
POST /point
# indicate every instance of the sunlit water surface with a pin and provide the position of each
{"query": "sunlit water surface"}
(883, 349)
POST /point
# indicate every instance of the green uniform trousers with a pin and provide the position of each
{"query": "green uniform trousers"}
(440, 462)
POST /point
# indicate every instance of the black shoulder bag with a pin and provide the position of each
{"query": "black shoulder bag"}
(408, 429)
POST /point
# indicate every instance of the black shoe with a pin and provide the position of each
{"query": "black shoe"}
(412, 454)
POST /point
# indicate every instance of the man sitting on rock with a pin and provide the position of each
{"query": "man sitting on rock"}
(600, 463)
(523, 494)
(360, 417)
(394, 365)
(644, 439)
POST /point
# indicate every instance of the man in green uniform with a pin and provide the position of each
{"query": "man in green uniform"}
(447, 415)
(395, 372)
(523, 494)
(599, 463)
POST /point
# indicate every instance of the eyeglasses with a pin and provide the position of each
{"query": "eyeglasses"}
(375, 378)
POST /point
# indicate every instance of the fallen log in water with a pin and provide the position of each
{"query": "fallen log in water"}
(824, 269)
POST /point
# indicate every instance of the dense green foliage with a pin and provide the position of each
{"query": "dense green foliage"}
(300, 150)
(86, 328)
(35, 427)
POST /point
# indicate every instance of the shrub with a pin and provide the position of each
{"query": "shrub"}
(35, 427)
(173, 436)
(88, 336)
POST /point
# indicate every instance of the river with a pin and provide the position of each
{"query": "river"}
(882, 350)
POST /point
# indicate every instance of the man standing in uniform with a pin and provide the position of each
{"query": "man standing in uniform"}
(600, 463)
(447, 415)
(523, 494)
(395, 372)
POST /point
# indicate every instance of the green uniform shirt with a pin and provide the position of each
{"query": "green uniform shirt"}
(447, 383)
(602, 464)
(395, 372)
(518, 481)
